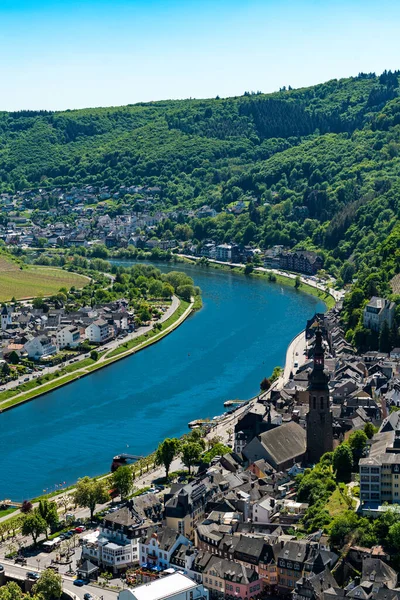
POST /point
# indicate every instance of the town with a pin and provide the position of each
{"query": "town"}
(131, 217)
(291, 494)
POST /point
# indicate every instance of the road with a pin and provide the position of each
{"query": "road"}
(19, 572)
(329, 283)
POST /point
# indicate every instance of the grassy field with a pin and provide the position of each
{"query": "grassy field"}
(33, 280)
(337, 503)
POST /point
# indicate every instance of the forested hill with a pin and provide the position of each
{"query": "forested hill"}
(319, 166)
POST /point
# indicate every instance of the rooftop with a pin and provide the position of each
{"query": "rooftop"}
(163, 588)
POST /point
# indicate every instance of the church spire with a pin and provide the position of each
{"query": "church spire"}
(318, 379)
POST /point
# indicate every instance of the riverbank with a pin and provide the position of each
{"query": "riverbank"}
(307, 286)
(138, 341)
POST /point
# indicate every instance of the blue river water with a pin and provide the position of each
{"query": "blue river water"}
(221, 352)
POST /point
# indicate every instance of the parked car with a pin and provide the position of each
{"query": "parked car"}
(1, 568)
(20, 560)
(32, 575)
(80, 582)
(80, 529)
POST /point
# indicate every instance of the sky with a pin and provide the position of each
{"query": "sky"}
(60, 54)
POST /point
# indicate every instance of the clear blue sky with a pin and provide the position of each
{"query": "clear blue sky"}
(58, 54)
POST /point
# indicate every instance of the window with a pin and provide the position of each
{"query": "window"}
(314, 400)
(238, 589)
(322, 402)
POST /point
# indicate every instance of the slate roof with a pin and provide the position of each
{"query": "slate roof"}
(284, 442)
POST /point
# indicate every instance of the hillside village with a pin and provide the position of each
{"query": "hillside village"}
(86, 217)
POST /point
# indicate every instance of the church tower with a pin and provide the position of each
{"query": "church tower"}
(319, 417)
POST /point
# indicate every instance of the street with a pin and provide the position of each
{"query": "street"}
(78, 592)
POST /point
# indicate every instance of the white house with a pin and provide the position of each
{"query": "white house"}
(110, 549)
(377, 311)
(174, 587)
(68, 336)
(156, 549)
(224, 252)
(40, 346)
(264, 510)
(98, 331)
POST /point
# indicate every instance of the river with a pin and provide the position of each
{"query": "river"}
(221, 352)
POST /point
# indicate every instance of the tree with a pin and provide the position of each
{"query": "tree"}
(48, 512)
(265, 384)
(217, 450)
(49, 585)
(156, 288)
(186, 292)
(248, 269)
(394, 535)
(165, 453)
(38, 302)
(297, 282)
(13, 358)
(342, 527)
(26, 507)
(343, 462)
(369, 430)
(384, 338)
(5, 370)
(94, 355)
(167, 291)
(11, 591)
(122, 481)
(191, 452)
(89, 492)
(358, 443)
(34, 525)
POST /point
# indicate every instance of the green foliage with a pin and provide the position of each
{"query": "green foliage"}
(48, 512)
(49, 585)
(343, 527)
(191, 452)
(34, 524)
(342, 462)
(89, 492)
(369, 430)
(94, 355)
(122, 481)
(358, 444)
(166, 452)
(217, 450)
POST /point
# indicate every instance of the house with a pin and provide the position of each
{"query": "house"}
(185, 505)
(264, 509)
(224, 578)
(173, 587)
(299, 558)
(115, 545)
(302, 261)
(98, 331)
(224, 252)
(377, 311)
(68, 337)
(40, 346)
(281, 447)
(312, 586)
(157, 547)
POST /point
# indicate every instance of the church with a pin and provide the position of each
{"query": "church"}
(319, 418)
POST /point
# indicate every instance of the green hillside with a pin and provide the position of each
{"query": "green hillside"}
(319, 166)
